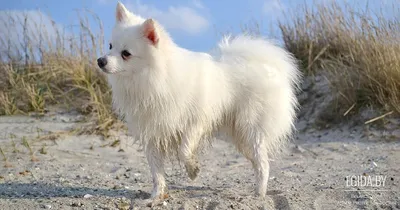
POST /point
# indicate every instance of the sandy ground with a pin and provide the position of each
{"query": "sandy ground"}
(319, 169)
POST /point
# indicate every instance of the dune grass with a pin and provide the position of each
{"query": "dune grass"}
(39, 72)
(358, 49)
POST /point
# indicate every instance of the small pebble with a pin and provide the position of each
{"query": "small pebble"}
(76, 204)
(87, 196)
(47, 206)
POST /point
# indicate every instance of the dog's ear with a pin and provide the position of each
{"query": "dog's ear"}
(121, 13)
(150, 31)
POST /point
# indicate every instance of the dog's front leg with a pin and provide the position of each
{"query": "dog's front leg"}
(187, 150)
(187, 154)
(155, 158)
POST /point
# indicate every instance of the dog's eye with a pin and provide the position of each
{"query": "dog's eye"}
(110, 46)
(125, 54)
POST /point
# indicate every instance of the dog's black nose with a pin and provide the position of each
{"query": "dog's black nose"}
(102, 62)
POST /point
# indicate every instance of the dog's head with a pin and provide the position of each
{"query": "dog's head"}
(134, 43)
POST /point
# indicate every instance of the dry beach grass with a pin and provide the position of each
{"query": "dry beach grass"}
(359, 49)
(42, 71)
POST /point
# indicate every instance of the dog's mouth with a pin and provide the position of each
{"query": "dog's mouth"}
(107, 71)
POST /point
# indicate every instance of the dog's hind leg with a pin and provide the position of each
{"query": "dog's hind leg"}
(261, 169)
(252, 146)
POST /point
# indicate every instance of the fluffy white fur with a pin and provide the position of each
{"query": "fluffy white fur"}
(174, 99)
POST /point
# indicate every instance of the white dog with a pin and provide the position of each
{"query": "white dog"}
(173, 99)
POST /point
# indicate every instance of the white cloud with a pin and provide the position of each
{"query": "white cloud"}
(273, 8)
(183, 18)
(198, 4)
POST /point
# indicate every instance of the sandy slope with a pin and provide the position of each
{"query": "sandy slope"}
(85, 172)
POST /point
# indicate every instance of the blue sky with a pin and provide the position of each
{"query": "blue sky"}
(194, 24)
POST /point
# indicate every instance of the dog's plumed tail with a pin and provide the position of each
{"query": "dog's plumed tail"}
(272, 80)
(261, 50)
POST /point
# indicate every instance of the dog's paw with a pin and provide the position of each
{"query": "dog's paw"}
(157, 201)
(193, 170)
